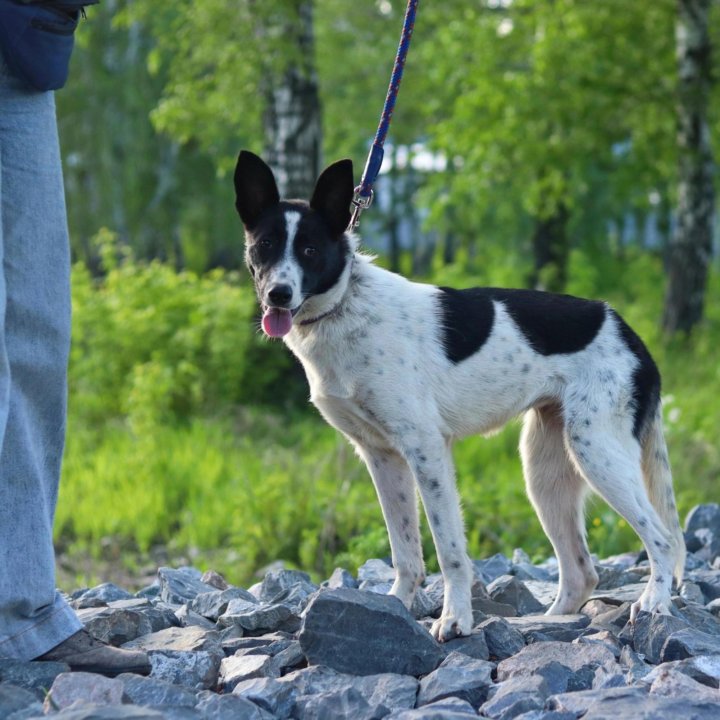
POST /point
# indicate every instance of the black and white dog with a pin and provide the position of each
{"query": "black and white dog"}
(403, 369)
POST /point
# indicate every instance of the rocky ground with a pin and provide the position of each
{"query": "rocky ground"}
(287, 648)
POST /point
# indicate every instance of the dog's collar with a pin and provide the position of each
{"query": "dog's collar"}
(312, 321)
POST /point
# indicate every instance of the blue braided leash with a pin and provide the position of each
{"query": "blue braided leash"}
(363, 192)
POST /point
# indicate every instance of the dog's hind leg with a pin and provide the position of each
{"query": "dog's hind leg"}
(557, 492)
(395, 487)
(609, 458)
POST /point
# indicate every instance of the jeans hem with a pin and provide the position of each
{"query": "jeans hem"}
(43, 634)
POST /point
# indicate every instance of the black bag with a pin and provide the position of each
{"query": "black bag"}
(37, 38)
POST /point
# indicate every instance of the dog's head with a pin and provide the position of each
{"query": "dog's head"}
(293, 249)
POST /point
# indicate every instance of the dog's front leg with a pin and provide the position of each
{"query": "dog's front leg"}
(395, 488)
(431, 461)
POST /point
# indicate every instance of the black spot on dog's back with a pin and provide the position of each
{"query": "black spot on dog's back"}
(552, 324)
(645, 378)
(467, 319)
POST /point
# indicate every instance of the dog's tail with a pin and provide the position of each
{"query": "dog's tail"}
(658, 483)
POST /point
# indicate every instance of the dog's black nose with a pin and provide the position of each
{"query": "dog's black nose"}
(280, 295)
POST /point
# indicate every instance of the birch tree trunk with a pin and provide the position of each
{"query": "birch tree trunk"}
(690, 247)
(293, 130)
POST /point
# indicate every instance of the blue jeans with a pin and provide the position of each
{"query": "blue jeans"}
(34, 347)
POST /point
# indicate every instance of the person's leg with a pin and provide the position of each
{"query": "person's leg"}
(34, 345)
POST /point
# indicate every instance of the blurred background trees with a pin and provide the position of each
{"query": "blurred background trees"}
(564, 145)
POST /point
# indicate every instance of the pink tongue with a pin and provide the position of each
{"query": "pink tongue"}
(277, 322)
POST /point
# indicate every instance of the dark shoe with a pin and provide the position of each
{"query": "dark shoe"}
(82, 651)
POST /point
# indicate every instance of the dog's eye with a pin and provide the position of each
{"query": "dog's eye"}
(265, 243)
(309, 251)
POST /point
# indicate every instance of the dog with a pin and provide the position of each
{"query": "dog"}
(403, 369)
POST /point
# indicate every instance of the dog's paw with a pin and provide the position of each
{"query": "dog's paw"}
(647, 603)
(450, 626)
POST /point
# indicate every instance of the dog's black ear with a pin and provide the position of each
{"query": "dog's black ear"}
(255, 188)
(333, 194)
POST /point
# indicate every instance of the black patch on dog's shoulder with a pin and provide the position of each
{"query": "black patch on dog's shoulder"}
(645, 379)
(552, 324)
(467, 319)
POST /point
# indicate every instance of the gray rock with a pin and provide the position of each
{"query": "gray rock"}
(613, 620)
(291, 658)
(458, 676)
(196, 669)
(345, 704)
(549, 627)
(252, 617)
(632, 665)
(601, 637)
(72, 687)
(375, 571)
(274, 696)
(473, 645)
(237, 668)
(189, 618)
(340, 578)
(593, 608)
(160, 615)
(513, 697)
(690, 592)
(14, 699)
(580, 702)
(35, 676)
(616, 596)
(384, 692)
(700, 618)
(581, 661)
(210, 577)
(229, 707)
(177, 639)
(652, 707)
(151, 691)
(214, 603)
(542, 590)
(650, 632)
(424, 606)
(669, 682)
(704, 669)
(493, 567)
(93, 711)
(526, 571)
(546, 715)
(511, 591)
(713, 607)
(689, 643)
(447, 709)
(100, 595)
(708, 581)
(341, 630)
(30, 712)
(179, 586)
(277, 582)
(179, 713)
(114, 626)
(501, 639)
(150, 592)
(703, 517)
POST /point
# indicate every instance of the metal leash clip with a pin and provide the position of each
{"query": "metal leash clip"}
(360, 203)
